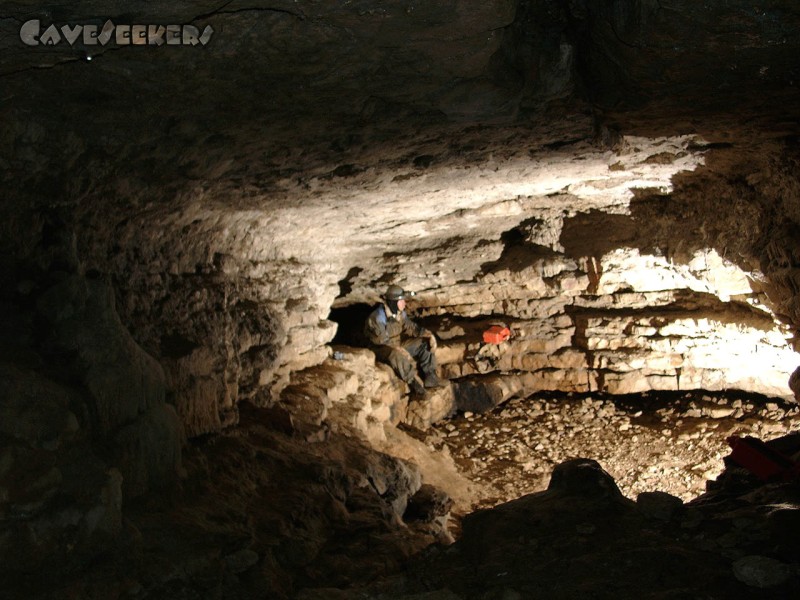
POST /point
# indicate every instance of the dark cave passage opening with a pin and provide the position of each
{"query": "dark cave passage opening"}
(350, 324)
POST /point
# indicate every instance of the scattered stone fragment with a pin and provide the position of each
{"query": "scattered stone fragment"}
(718, 412)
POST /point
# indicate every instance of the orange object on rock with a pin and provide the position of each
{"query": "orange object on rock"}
(496, 334)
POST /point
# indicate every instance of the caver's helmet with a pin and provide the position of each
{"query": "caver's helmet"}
(394, 293)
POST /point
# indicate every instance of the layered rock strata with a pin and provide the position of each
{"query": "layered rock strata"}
(511, 239)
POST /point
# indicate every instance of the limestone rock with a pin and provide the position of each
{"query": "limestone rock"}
(583, 477)
(352, 393)
(761, 571)
(240, 561)
(658, 505)
(794, 383)
(437, 468)
(573, 168)
(149, 451)
(436, 405)
(72, 517)
(35, 410)
(126, 386)
(122, 379)
(60, 504)
(427, 504)
(484, 394)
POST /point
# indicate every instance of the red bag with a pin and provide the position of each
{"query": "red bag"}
(496, 334)
(761, 460)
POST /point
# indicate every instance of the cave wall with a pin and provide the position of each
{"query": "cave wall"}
(233, 302)
(494, 225)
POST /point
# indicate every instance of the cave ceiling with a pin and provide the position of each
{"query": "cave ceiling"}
(292, 88)
(305, 153)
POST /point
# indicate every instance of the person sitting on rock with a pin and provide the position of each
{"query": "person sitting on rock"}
(399, 341)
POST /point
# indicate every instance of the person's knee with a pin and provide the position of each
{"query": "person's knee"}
(399, 358)
(418, 348)
(421, 352)
(401, 363)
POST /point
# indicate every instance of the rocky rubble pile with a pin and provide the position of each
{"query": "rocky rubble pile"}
(667, 441)
(672, 443)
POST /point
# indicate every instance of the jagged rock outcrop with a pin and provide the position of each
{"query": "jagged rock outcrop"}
(356, 396)
(126, 386)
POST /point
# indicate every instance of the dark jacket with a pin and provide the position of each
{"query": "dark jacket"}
(383, 329)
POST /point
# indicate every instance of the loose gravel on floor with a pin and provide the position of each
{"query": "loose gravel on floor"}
(670, 442)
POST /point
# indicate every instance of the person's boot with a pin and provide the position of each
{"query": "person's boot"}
(417, 388)
(432, 380)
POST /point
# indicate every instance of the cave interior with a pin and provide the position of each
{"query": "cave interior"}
(195, 226)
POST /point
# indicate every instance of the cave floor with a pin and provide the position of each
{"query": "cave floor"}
(670, 441)
(263, 513)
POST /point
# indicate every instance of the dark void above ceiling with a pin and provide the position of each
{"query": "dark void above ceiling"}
(275, 62)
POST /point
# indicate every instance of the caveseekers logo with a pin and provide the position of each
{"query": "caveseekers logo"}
(32, 34)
